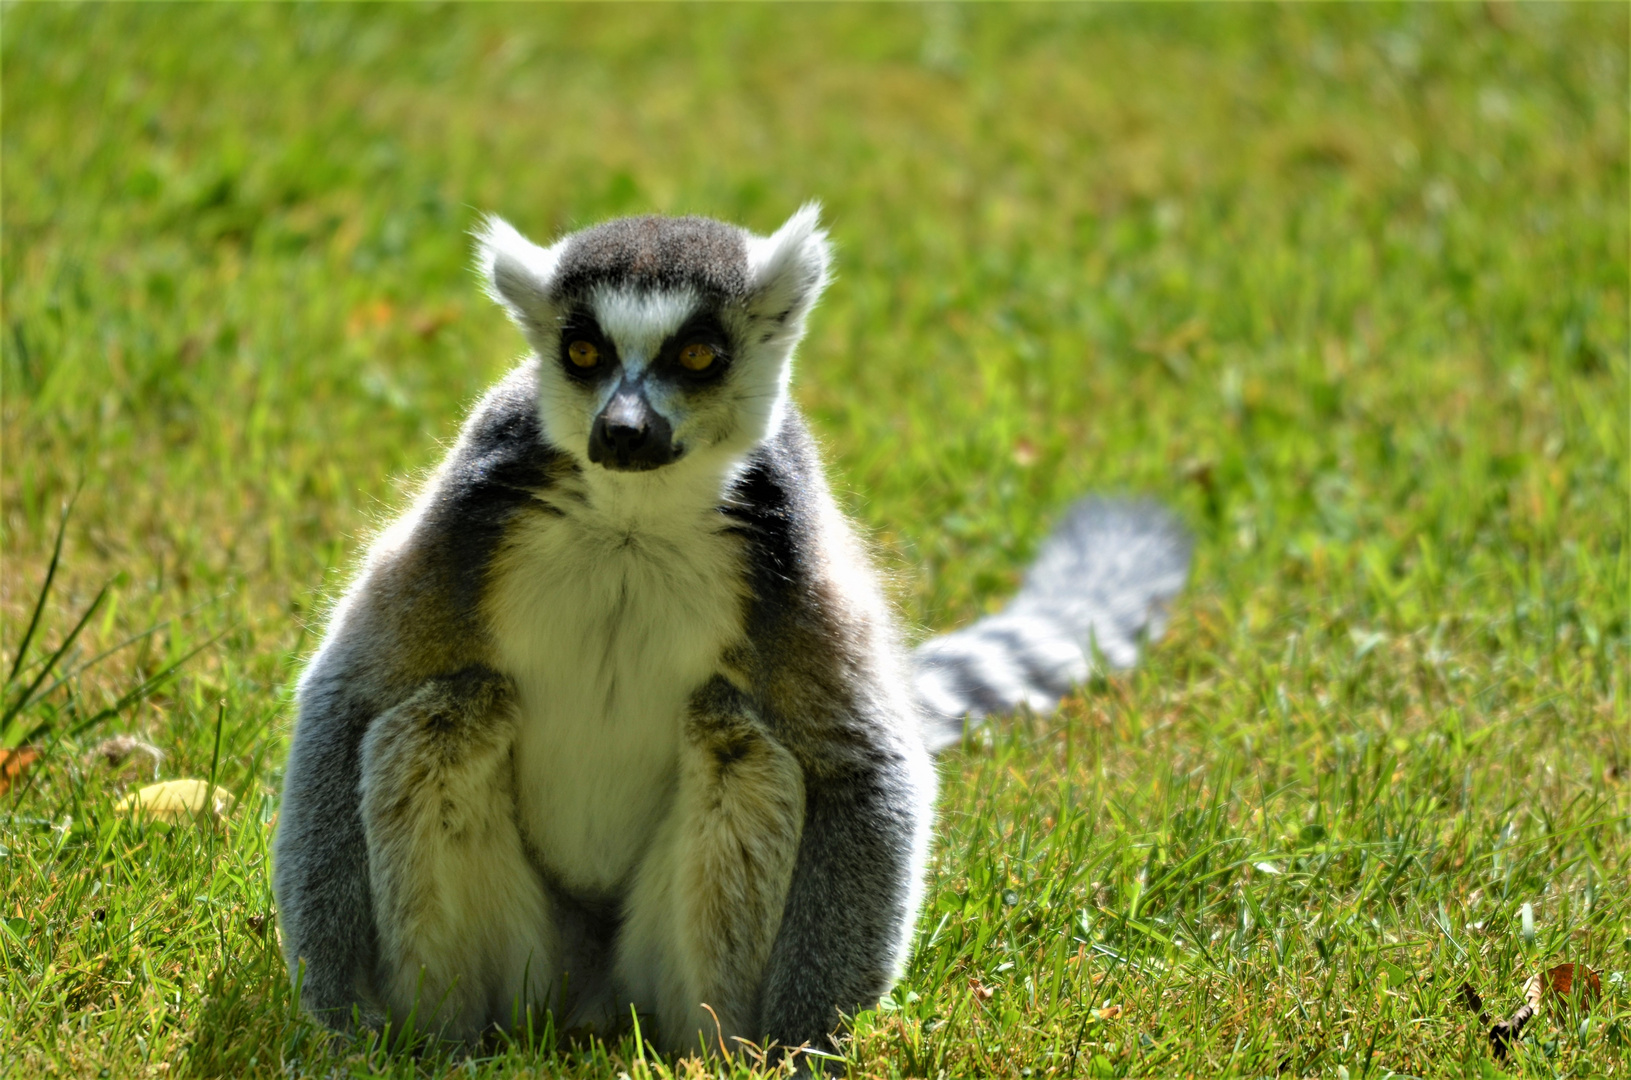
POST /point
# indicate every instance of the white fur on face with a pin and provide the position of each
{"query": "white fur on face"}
(567, 408)
(787, 272)
(639, 322)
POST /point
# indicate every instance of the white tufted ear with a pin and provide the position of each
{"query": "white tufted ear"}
(788, 269)
(518, 274)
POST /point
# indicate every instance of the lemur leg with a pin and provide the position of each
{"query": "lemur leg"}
(465, 929)
(706, 903)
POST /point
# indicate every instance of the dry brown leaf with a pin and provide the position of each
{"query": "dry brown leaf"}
(14, 763)
(176, 800)
(1558, 980)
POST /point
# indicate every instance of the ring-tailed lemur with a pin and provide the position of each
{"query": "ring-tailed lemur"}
(616, 716)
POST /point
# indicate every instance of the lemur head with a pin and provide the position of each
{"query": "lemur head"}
(661, 340)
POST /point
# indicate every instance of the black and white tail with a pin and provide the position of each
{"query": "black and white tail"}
(1100, 585)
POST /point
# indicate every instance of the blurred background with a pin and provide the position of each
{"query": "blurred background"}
(1294, 269)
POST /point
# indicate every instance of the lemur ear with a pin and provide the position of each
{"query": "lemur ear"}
(789, 269)
(518, 274)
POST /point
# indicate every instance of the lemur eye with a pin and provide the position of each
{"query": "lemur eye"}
(583, 354)
(697, 357)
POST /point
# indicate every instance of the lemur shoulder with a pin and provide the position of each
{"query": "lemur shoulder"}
(616, 715)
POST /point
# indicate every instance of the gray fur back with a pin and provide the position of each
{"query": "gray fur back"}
(1101, 584)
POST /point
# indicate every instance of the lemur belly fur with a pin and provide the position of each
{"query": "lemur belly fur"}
(607, 625)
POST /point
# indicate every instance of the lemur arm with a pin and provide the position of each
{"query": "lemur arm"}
(847, 918)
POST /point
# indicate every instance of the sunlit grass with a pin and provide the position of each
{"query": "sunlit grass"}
(1345, 286)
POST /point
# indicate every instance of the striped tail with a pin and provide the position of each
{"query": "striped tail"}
(1100, 585)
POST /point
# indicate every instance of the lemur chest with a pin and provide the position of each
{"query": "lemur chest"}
(607, 631)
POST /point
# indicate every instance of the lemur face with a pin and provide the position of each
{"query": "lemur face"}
(653, 390)
(662, 341)
(640, 380)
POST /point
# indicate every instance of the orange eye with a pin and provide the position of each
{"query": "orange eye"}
(697, 357)
(583, 354)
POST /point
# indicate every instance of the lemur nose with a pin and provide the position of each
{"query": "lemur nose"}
(627, 421)
(630, 434)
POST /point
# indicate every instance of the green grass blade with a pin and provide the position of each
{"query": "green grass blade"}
(39, 601)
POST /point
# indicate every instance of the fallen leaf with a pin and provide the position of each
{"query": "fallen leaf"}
(173, 800)
(1560, 980)
(14, 763)
(1557, 980)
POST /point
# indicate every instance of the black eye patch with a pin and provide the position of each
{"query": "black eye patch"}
(702, 329)
(586, 354)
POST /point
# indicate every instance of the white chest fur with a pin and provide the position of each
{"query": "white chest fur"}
(607, 626)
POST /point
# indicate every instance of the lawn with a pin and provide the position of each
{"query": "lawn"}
(1347, 287)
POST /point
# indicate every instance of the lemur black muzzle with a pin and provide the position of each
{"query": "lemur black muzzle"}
(629, 435)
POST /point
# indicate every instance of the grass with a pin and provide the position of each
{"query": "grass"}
(1346, 286)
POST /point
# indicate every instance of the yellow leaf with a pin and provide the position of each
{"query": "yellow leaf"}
(174, 800)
